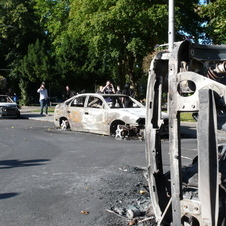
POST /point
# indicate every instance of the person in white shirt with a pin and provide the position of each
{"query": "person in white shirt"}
(43, 99)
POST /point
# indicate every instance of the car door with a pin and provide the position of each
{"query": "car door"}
(75, 113)
(95, 116)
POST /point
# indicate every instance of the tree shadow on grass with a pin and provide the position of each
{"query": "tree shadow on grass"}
(6, 164)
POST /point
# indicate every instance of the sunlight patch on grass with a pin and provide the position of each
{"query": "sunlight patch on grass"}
(186, 117)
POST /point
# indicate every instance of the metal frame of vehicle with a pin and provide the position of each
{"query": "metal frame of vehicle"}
(195, 77)
(8, 108)
(100, 118)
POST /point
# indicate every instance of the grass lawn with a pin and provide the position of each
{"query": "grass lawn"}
(50, 109)
(186, 117)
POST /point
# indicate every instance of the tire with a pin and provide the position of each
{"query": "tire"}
(114, 126)
(64, 124)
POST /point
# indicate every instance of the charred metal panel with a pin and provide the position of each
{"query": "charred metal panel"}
(208, 158)
(101, 114)
(196, 77)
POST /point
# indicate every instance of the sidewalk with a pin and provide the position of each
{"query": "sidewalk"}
(32, 112)
(188, 128)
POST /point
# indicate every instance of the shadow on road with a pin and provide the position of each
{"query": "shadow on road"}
(6, 164)
(8, 195)
(188, 132)
(31, 115)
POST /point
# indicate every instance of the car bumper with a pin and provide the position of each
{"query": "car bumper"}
(9, 114)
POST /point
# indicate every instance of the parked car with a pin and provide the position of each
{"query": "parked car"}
(8, 108)
(102, 114)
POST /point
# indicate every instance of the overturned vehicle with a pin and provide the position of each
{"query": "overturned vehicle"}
(102, 114)
(194, 76)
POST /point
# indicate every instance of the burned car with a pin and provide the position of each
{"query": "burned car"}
(102, 114)
(8, 108)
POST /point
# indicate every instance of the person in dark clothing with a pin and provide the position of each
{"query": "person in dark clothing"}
(68, 93)
(108, 88)
(118, 90)
(100, 89)
(129, 92)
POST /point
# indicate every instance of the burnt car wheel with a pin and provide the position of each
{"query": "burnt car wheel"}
(114, 127)
(64, 124)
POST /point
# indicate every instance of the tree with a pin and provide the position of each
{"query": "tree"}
(117, 34)
(2, 83)
(120, 33)
(70, 65)
(19, 28)
(215, 15)
(34, 67)
(86, 42)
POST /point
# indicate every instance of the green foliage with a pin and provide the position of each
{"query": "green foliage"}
(186, 117)
(18, 29)
(86, 42)
(215, 14)
(53, 19)
(35, 66)
(24, 100)
(118, 34)
(2, 83)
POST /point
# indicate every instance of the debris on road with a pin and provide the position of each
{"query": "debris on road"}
(84, 212)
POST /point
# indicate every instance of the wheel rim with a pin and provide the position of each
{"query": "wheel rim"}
(64, 124)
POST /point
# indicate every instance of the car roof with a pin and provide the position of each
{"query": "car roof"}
(102, 94)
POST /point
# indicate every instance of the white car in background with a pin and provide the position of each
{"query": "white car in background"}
(8, 108)
(102, 114)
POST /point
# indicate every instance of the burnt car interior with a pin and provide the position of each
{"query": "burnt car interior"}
(118, 102)
(95, 102)
(78, 102)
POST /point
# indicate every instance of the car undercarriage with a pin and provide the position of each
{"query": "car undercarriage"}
(194, 77)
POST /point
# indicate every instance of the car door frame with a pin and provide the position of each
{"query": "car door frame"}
(75, 114)
(95, 120)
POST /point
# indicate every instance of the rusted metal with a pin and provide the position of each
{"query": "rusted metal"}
(102, 114)
(190, 89)
(128, 132)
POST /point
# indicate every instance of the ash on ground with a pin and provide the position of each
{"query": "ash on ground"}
(128, 199)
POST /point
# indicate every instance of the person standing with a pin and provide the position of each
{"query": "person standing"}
(108, 88)
(68, 93)
(100, 89)
(43, 98)
(118, 90)
(129, 92)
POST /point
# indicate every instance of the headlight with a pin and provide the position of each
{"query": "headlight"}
(2, 109)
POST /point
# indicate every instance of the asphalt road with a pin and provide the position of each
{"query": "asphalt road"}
(52, 177)
(49, 176)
